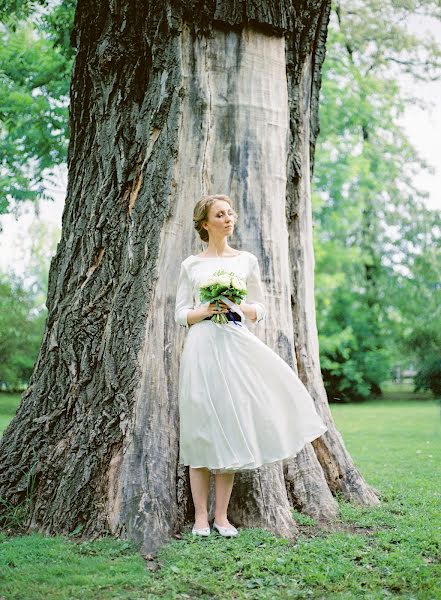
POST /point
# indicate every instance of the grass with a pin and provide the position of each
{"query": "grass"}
(8, 407)
(403, 391)
(393, 550)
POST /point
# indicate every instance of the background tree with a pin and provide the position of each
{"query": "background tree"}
(22, 304)
(35, 68)
(168, 102)
(419, 287)
(370, 218)
(21, 328)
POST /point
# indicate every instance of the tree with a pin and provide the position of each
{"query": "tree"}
(35, 68)
(21, 328)
(370, 219)
(419, 289)
(169, 102)
(22, 304)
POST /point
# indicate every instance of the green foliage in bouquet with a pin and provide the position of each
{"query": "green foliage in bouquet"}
(222, 284)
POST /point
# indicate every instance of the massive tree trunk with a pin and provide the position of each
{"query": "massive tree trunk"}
(169, 102)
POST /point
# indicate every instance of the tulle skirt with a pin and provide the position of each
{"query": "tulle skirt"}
(240, 404)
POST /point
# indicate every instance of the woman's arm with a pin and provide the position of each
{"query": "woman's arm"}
(185, 314)
(184, 298)
(255, 299)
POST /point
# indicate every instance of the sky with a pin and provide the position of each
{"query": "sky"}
(424, 131)
(423, 128)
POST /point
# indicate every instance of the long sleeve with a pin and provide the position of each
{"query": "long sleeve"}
(255, 290)
(184, 298)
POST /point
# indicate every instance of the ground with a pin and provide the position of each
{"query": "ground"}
(393, 550)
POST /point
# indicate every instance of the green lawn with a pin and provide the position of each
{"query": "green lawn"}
(8, 407)
(390, 551)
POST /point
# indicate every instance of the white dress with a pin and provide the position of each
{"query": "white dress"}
(240, 404)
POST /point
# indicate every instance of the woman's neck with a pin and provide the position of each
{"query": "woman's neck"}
(218, 249)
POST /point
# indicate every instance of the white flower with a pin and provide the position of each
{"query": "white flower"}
(223, 280)
(210, 281)
(237, 283)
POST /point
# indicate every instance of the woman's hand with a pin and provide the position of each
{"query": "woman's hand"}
(206, 310)
(248, 310)
(216, 308)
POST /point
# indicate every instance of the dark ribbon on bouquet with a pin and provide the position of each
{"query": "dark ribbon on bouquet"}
(235, 308)
(232, 316)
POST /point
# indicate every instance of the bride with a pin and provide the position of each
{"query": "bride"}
(240, 404)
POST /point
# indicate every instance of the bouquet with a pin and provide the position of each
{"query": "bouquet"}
(220, 286)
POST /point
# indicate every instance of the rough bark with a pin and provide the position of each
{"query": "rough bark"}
(169, 102)
(336, 463)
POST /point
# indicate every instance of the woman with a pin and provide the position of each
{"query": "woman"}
(241, 405)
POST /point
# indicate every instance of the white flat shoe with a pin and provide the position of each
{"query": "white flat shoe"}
(226, 531)
(204, 531)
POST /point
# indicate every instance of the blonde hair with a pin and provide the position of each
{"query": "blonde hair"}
(201, 210)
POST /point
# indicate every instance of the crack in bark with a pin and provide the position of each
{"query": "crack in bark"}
(205, 180)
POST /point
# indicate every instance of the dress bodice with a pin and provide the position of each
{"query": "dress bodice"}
(196, 269)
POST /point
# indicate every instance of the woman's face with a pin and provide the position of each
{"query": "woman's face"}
(220, 220)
